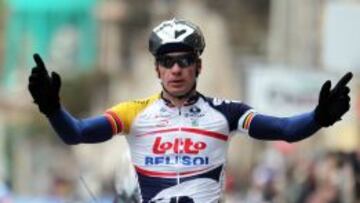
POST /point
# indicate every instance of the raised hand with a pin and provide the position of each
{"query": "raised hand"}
(333, 104)
(43, 88)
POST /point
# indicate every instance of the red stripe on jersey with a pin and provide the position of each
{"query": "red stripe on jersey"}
(159, 131)
(112, 123)
(191, 130)
(117, 121)
(167, 174)
(206, 133)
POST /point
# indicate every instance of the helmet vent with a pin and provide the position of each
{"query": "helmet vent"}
(179, 32)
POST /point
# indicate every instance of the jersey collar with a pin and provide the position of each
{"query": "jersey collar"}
(190, 101)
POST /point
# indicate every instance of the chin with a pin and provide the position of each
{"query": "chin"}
(177, 92)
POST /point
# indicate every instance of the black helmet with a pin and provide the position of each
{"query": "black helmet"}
(176, 35)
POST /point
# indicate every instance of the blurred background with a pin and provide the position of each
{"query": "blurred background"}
(271, 54)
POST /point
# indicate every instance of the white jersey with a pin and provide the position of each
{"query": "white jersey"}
(179, 154)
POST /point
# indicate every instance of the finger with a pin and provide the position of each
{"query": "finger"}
(344, 80)
(39, 76)
(345, 98)
(341, 108)
(33, 78)
(34, 90)
(37, 70)
(345, 90)
(56, 80)
(33, 87)
(39, 62)
(36, 80)
(325, 91)
(348, 99)
(346, 106)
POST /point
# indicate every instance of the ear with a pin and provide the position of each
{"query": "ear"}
(198, 67)
(157, 71)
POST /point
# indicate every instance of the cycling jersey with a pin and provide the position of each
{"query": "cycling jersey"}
(179, 153)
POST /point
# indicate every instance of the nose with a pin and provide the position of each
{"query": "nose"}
(175, 68)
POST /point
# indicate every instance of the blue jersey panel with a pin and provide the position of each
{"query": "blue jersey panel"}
(230, 109)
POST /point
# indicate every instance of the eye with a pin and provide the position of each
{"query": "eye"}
(167, 62)
(183, 60)
(186, 61)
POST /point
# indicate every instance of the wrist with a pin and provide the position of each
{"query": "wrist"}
(323, 117)
(53, 113)
(315, 115)
(48, 109)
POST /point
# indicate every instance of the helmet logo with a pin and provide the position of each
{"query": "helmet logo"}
(171, 32)
(179, 33)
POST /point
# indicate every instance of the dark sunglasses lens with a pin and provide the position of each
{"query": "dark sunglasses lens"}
(186, 61)
(183, 61)
(167, 62)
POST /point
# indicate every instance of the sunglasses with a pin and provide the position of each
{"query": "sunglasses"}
(183, 61)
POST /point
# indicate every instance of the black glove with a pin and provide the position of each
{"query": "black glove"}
(333, 103)
(43, 88)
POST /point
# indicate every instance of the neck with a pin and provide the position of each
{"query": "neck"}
(176, 101)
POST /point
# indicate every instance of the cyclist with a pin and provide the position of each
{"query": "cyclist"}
(179, 137)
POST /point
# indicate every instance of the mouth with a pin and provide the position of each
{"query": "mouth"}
(176, 82)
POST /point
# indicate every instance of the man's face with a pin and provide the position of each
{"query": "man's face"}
(178, 71)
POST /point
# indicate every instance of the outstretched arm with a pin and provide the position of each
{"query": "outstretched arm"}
(290, 129)
(75, 131)
(333, 104)
(44, 89)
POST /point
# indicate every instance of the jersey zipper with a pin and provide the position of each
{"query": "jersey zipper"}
(179, 149)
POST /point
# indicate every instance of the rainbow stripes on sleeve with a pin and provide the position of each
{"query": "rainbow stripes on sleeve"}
(245, 120)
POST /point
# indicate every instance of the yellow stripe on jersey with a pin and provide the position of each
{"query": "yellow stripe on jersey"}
(122, 115)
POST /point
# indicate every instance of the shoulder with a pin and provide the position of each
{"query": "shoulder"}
(136, 105)
(234, 111)
(124, 113)
(219, 103)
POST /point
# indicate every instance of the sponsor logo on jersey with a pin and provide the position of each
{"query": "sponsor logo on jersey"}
(178, 151)
(194, 111)
(179, 145)
(218, 101)
(163, 123)
(176, 160)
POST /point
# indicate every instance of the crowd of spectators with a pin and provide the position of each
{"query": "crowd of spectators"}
(324, 177)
